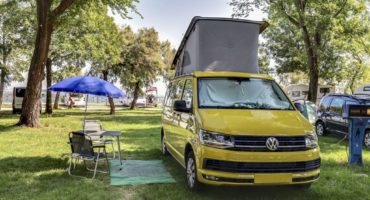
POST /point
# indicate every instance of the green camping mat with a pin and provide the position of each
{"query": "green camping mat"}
(137, 172)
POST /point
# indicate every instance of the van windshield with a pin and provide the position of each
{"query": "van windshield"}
(241, 93)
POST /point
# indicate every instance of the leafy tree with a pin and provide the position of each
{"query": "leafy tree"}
(264, 61)
(355, 46)
(89, 37)
(16, 31)
(302, 33)
(168, 53)
(104, 46)
(50, 14)
(141, 61)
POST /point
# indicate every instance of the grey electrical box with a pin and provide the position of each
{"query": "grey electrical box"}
(219, 44)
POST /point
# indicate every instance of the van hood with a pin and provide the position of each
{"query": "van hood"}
(254, 122)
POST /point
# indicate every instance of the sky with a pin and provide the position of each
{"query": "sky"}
(172, 17)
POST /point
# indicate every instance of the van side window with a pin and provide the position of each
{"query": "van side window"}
(171, 94)
(187, 95)
(167, 97)
(175, 92)
(337, 105)
(179, 90)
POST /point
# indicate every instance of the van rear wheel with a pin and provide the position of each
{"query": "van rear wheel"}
(191, 172)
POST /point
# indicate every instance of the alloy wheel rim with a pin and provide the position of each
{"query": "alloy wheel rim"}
(319, 129)
(367, 139)
(191, 172)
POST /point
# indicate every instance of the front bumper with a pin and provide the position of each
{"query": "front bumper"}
(282, 177)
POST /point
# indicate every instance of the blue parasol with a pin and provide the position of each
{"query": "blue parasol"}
(88, 85)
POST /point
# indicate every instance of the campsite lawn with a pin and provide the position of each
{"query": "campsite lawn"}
(33, 164)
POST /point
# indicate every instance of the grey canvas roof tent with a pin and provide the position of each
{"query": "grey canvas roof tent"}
(219, 44)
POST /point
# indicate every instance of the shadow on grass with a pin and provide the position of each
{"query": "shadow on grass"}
(47, 178)
(32, 164)
(7, 128)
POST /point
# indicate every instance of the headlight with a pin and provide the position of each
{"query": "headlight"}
(311, 141)
(215, 140)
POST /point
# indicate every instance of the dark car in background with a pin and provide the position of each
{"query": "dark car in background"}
(329, 114)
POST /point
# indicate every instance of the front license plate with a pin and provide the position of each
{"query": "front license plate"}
(273, 178)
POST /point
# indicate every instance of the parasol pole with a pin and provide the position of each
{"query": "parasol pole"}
(87, 99)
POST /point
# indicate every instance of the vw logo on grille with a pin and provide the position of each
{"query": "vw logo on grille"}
(272, 143)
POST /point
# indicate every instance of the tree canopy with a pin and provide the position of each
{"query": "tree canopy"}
(142, 60)
(16, 34)
(51, 15)
(306, 35)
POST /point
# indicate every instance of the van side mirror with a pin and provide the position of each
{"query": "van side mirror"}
(180, 106)
(299, 107)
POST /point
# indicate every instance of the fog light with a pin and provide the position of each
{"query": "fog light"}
(213, 178)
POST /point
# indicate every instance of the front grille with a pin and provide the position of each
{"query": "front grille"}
(258, 143)
(261, 167)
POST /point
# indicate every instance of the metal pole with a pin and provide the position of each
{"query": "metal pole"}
(87, 99)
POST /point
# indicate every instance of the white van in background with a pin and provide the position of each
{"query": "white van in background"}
(18, 95)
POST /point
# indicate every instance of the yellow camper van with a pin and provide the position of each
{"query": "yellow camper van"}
(232, 127)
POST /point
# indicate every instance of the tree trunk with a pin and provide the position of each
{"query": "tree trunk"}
(31, 101)
(49, 108)
(56, 101)
(2, 86)
(110, 100)
(313, 85)
(4, 72)
(312, 65)
(136, 95)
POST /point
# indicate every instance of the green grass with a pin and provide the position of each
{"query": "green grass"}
(33, 164)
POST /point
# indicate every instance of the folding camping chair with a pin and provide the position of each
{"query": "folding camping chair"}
(93, 128)
(83, 149)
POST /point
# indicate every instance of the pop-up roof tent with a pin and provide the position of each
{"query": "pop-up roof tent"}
(219, 44)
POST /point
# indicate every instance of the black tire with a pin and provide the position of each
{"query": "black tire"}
(164, 147)
(191, 172)
(367, 139)
(320, 128)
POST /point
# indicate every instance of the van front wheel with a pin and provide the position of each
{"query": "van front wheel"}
(191, 172)
(164, 147)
